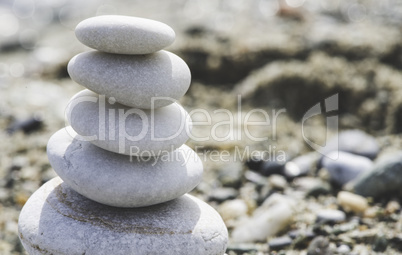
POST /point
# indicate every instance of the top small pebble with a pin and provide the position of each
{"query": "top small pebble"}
(124, 35)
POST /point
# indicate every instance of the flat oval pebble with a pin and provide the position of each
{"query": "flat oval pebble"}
(124, 34)
(353, 141)
(121, 180)
(352, 202)
(133, 80)
(124, 130)
(330, 215)
(346, 167)
(57, 220)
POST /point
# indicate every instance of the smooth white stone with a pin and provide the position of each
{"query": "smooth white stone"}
(121, 180)
(124, 34)
(57, 220)
(138, 81)
(124, 130)
(271, 218)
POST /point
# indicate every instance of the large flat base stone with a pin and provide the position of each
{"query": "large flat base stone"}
(58, 220)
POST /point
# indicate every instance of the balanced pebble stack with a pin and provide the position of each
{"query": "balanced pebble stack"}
(123, 166)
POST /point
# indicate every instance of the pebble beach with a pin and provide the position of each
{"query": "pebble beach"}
(290, 185)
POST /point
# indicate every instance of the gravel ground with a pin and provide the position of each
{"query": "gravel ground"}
(287, 55)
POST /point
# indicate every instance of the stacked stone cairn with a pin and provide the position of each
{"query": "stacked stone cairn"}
(123, 168)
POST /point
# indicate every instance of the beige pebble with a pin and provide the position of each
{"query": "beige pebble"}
(352, 202)
(278, 181)
(371, 212)
(233, 209)
(392, 207)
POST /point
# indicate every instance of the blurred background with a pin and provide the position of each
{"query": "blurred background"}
(266, 54)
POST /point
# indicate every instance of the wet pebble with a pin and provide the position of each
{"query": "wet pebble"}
(346, 167)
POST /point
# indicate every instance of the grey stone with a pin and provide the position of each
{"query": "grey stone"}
(256, 178)
(266, 167)
(346, 167)
(319, 246)
(301, 232)
(124, 35)
(348, 226)
(121, 180)
(222, 194)
(244, 248)
(58, 220)
(132, 80)
(384, 179)
(354, 141)
(279, 243)
(134, 131)
(302, 238)
(380, 243)
(331, 215)
(321, 188)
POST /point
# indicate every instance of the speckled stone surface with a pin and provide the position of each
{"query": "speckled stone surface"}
(120, 180)
(124, 35)
(57, 220)
(126, 130)
(132, 80)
